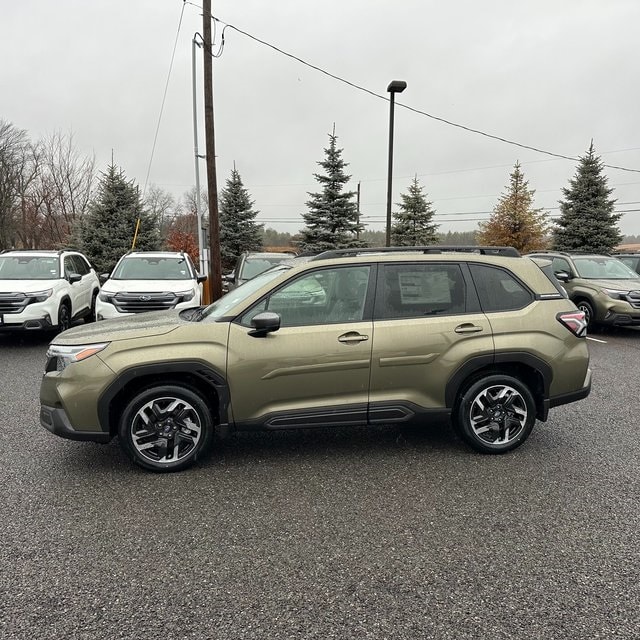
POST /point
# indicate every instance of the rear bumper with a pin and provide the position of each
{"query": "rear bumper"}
(56, 421)
(573, 396)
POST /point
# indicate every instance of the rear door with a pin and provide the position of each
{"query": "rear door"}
(427, 323)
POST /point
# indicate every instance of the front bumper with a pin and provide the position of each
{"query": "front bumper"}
(25, 321)
(56, 420)
(618, 319)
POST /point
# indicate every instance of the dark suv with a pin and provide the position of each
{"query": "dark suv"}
(631, 259)
(253, 263)
(354, 337)
(602, 286)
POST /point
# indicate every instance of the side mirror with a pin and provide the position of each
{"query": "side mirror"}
(74, 277)
(563, 276)
(103, 277)
(202, 279)
(264, 323)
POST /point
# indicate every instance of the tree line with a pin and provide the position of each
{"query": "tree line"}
(51, 197)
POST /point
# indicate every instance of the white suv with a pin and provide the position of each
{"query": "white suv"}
(149, 281)
(45, 289)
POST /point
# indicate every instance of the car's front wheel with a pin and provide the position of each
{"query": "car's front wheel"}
(64, 317)
(166, 428)
(587, 309)
(495, 413)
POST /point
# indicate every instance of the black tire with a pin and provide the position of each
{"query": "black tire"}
(587, 309)
(495, 413)
(64, 316)
(166, 428)
(92, 309)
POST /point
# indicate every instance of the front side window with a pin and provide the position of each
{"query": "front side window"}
(560, 264)
(498, 289)
(415, 290)
(324, 296)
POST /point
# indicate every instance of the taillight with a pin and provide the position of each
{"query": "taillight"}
(574, 321)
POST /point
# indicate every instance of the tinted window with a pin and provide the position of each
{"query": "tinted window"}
(560, 264)
(81, 266)
(415, 290)
(498, 289)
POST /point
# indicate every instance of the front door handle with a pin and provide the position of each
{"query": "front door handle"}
(352, 337)
(467, 327)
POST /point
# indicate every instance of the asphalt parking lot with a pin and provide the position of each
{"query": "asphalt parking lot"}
(381, 533)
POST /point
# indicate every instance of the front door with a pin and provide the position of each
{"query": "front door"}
(313, 371)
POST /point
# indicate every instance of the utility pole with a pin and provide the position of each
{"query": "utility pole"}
(215, 264)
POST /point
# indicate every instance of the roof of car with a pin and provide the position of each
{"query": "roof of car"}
(155, 254)
(269, 254)
(38, 252)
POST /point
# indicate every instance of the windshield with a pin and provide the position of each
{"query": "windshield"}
(220, 307)
(152, 268)
(603, 268)
(252, 267)
(29, 268)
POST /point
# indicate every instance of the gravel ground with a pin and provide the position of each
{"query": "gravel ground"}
(366, 533)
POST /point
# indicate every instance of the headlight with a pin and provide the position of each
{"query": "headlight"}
(616, 294)
(64, 356)
(40, 296)
(105, 296)
(186, 295)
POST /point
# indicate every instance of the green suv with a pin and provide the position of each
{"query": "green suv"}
(479, 335)
(602, 286)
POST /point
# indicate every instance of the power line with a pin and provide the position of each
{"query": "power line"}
(405, 106)
(164, 97)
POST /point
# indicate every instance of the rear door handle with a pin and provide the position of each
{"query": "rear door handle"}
(352, 337)
(468, 328)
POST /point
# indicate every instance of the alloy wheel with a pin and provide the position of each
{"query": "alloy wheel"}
(498, 414)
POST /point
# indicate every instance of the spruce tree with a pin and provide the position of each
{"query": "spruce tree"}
(514, 221)
(109, 227)
(332, 219)
(587, 220)
(239, 230)
(414, 225)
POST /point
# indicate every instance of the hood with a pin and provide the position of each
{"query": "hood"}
(26, 286)
(620, 285)
(146, 286)
(152, 323)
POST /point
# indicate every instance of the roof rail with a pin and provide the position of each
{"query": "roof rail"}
(428, 249)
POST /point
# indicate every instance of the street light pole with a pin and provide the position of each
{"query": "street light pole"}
(395, 86)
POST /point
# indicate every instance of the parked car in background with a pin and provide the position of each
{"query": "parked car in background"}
(631, 259)
(602, 286)
(485, 338)
(253, 263)
(149, 281)
(45, 289)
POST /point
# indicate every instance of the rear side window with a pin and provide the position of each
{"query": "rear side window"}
(415, 290)
(498, 289)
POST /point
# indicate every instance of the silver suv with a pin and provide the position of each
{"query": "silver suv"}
(45, 289)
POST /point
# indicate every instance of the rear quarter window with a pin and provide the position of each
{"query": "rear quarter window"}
(498, 289)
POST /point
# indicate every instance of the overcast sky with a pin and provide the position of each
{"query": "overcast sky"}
(546, 73)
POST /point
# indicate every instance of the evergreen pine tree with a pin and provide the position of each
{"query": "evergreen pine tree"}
(332, 219)
(239, 230)
(109, 226)
(587, 219)
(514, 222)
(414, 225)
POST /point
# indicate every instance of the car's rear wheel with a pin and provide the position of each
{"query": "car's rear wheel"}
(64, 316)
(495, 413)
(166, 428)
